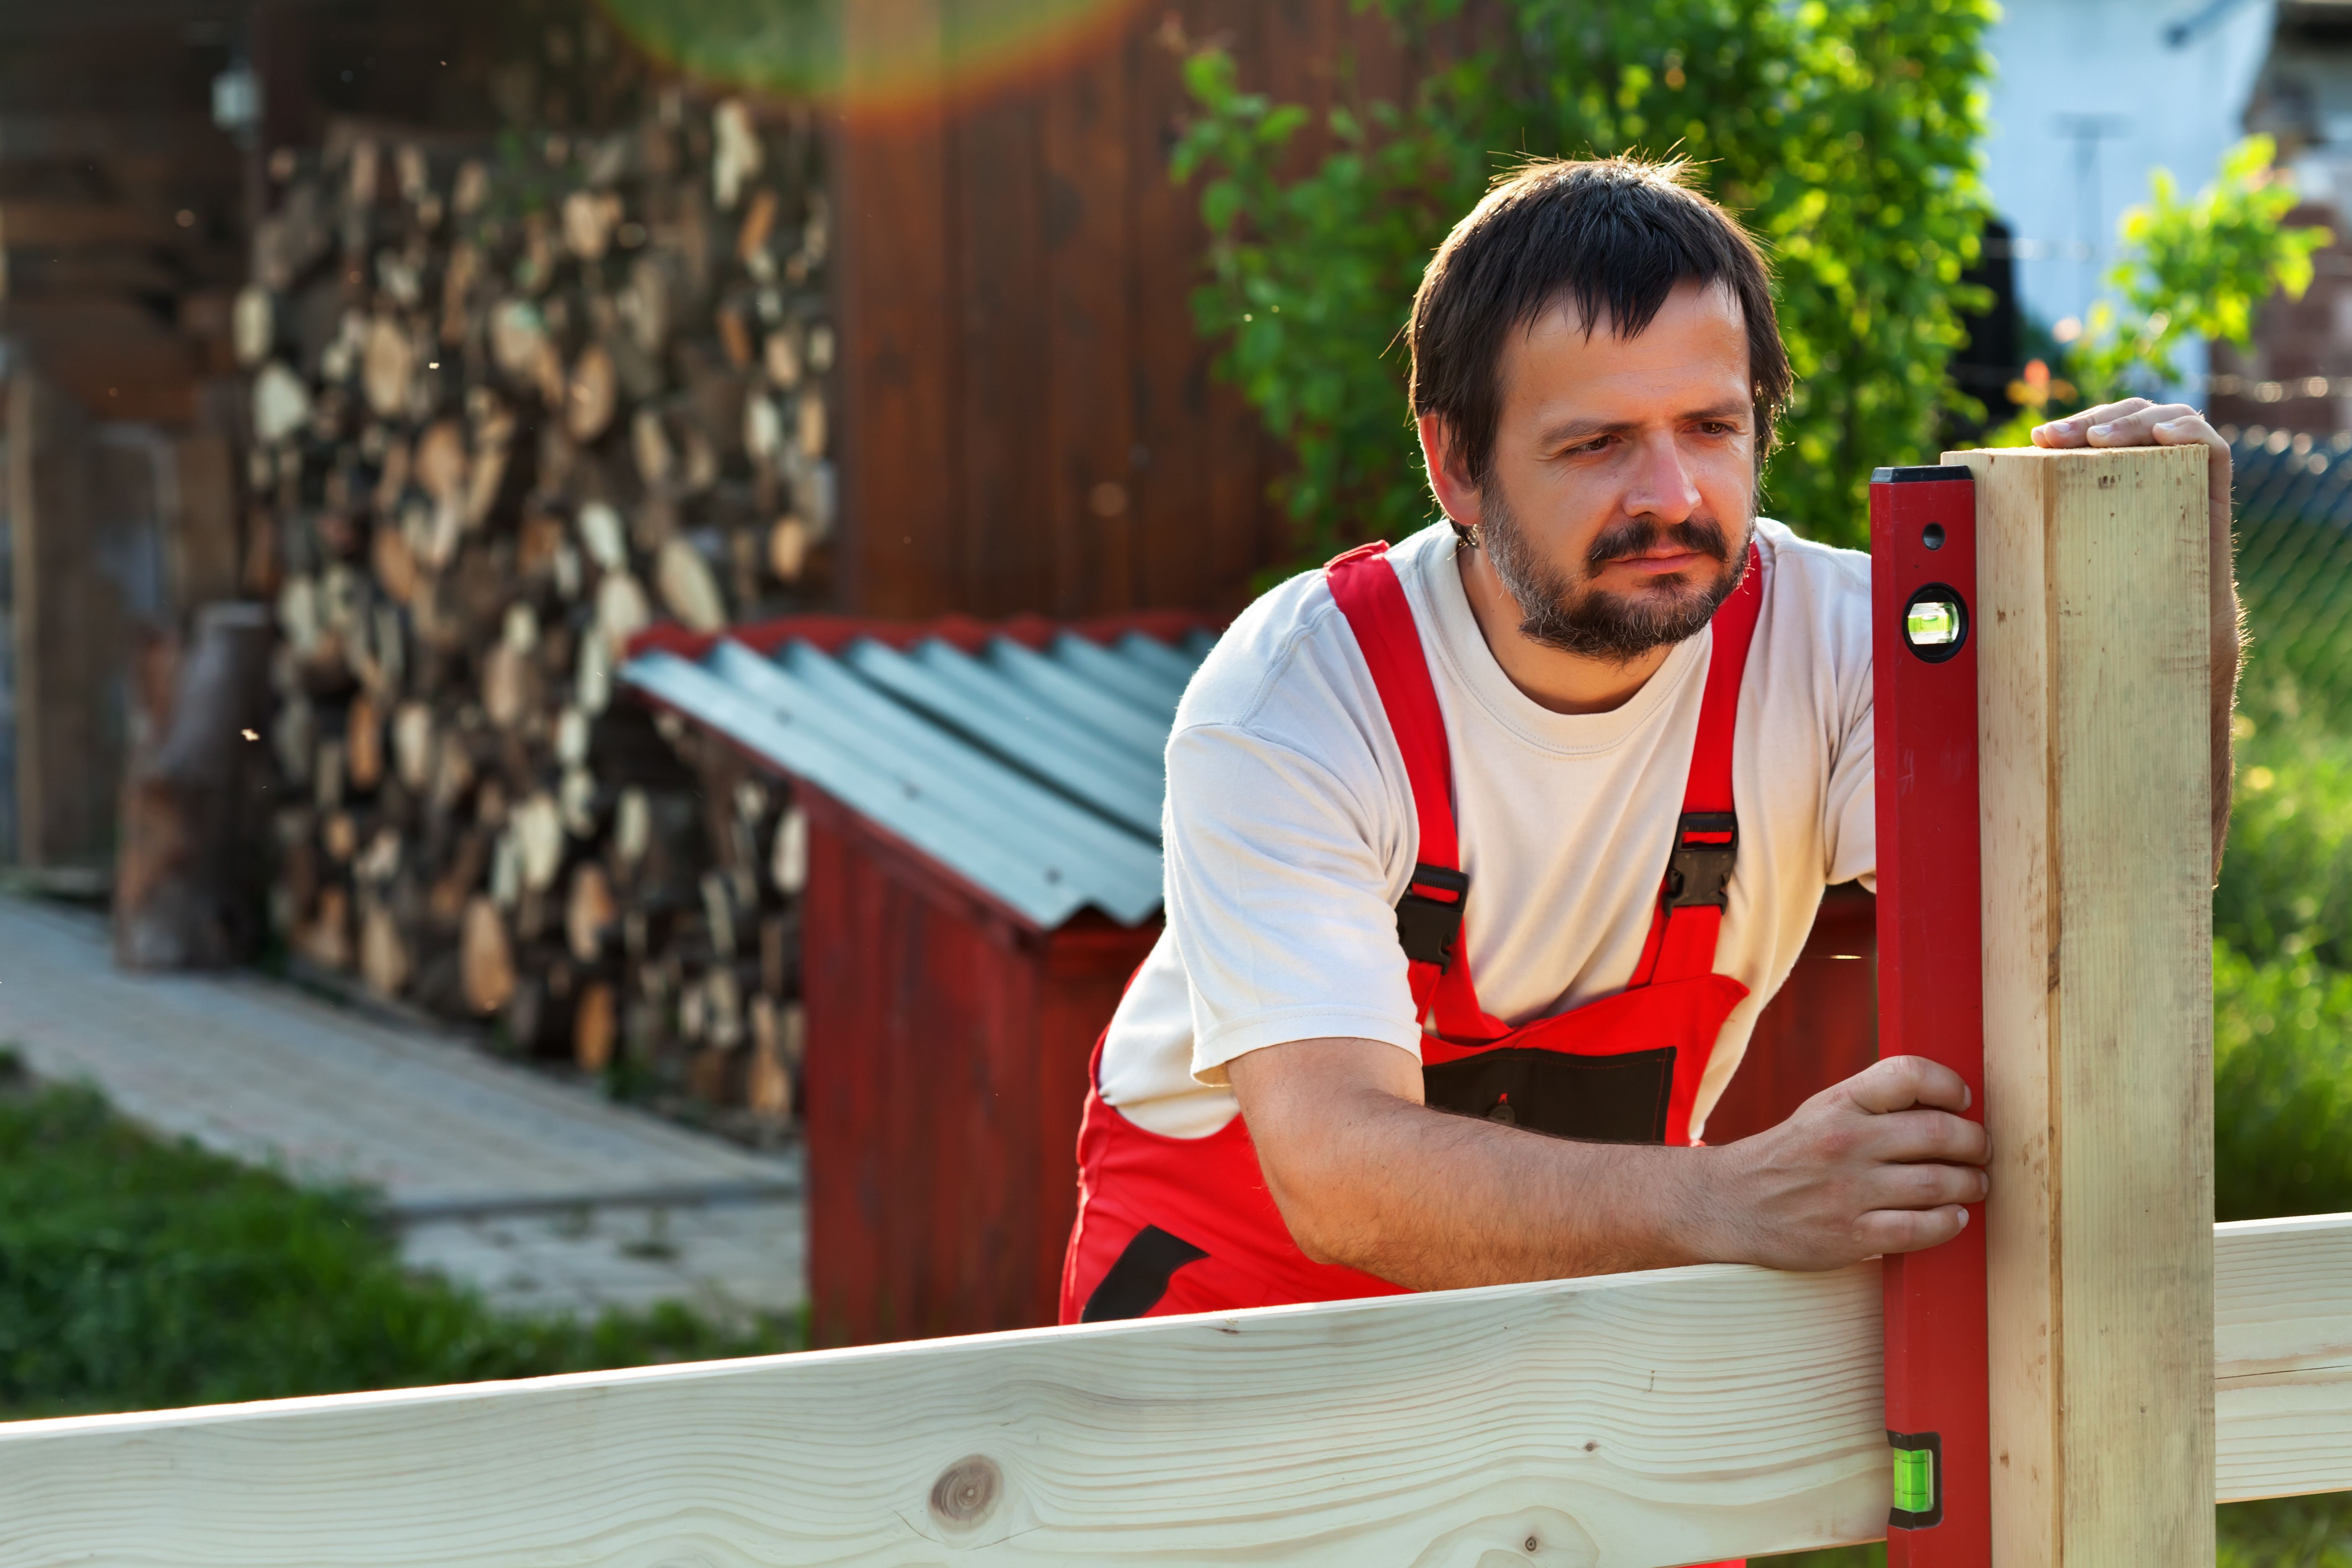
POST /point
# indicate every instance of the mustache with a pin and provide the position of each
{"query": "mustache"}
(1640, 535)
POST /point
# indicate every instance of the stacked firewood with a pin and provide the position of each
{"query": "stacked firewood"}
(509, 408)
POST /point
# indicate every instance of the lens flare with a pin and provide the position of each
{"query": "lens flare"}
(869, 55)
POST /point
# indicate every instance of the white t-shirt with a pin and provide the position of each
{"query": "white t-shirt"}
(1290, 829)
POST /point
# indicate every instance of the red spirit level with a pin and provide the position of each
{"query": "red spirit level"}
(1923, 563)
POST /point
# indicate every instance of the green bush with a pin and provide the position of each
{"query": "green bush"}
(1845, 134)
(2286, 881)
(2191, 269)
(2282, 1087)
(2287, 1533)
(2283, 966)
(137, 1274)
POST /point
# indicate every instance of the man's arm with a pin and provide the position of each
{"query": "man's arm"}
(1367, 1176)
(2137, 422)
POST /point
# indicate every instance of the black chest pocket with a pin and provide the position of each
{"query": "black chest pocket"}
(1620, 1099)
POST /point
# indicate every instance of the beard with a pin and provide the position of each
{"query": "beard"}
(1574, 616)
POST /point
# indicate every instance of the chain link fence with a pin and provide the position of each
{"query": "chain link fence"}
(2294, 561)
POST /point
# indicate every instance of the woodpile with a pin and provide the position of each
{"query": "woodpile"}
(508, 409)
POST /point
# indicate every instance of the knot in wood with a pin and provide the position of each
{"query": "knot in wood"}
(966, 1490)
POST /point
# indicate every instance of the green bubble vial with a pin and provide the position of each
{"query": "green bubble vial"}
(1932, 623)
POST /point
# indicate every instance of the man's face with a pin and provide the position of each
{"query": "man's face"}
(1620, 501)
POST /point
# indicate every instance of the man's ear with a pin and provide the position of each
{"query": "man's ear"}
(1448, 480)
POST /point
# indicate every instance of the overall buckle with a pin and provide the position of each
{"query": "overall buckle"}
(1699, 874)
(1429, 916)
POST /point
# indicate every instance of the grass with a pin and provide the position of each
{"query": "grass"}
(141, 1274)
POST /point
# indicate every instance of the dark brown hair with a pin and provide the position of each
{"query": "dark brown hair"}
(1613, 235)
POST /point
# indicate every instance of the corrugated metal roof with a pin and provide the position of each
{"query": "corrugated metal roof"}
(1035, 773)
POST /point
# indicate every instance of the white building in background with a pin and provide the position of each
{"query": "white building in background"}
(2088, 98)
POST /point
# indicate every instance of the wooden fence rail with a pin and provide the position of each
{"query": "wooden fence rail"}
(1657, 1418)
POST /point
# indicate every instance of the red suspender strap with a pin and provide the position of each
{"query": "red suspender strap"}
(1690, 907)
(1366, 589)
(1429, 919)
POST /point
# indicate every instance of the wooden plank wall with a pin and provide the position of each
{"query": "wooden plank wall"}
(1821, 1028)
(1030, 419)
(68, 634)
(947, 1068)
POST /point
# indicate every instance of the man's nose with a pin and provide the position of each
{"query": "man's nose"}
(1660, 485)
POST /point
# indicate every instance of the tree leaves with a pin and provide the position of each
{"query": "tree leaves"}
(1845, 136)
(2194, 269)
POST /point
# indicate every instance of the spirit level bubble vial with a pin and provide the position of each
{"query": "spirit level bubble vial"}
(1922, 565)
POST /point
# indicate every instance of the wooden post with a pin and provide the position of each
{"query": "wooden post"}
(2098, 1003)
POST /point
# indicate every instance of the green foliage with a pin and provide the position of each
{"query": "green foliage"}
(801, 48)
(1845, 134)
(2188, 269)
(141, 1275)
(2282, 1087)
(2282, 967)
(781, 46)
(2286, 881)
(2287, 1533)
(2195, 268)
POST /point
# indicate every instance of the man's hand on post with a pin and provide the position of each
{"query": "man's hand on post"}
(2137, 422)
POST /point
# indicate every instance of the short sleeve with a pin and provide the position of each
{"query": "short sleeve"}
(1278, 898)
(1850, 805)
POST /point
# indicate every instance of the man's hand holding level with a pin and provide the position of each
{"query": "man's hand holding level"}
(1881, 1163)
(1367, 1176)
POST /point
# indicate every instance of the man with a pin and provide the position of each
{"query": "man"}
(1511, 831)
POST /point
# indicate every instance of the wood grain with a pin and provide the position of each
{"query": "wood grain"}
(1030, 419)
(898, 331)
(953, 1220)
(1647, 1419)
(998, 242)
(2283, 1356)
(1089, 414)
(1639, 1419)
(2092, 582)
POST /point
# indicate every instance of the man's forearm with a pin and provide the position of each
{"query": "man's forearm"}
(2228, 648)
(1435, 1201)
(1367, 1176)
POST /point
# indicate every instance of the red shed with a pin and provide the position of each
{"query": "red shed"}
(984, 874)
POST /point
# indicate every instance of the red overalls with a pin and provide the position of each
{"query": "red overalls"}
(1185, 1224)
